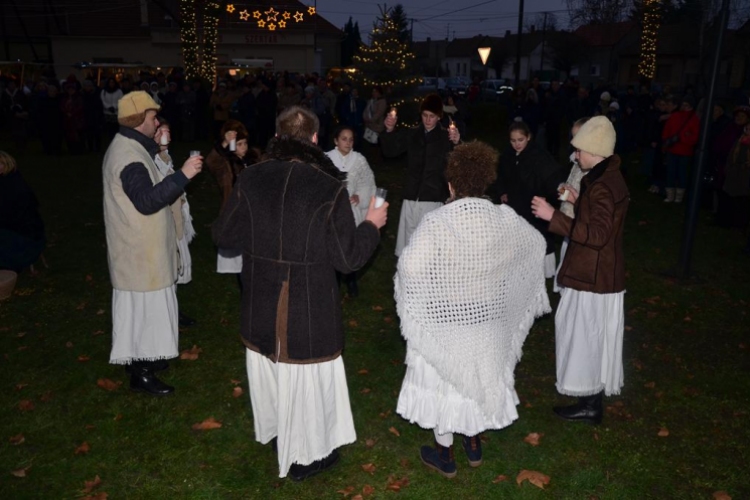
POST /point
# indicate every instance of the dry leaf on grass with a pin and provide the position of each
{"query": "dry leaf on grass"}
(404, 463)
(721, 495)
(370, 442)
(108, 385)
(100, 312)
(97, 333)
(81, 306)
(388, 319)
(16, 440)
(367, 490)
(46, 396)
(366, 390)
(208, 424)
(21, 334)
(663, 432)
(83, 358)
(20, 386)
(26, 405)
(92, 485)
(649, 385)
(363, 371)
(357, 497)
(533, 438)
(237, 392)
(353, 323)
(377, 308)
(117, 417)
(397, 484)
(369, 468)
(500, 478)
(394, 431)
(346, 491)
(191, 354)
(534, 477)
(102, 495)
(68, 344)
(89, 427)
(235, 381)
(83, 449)
(20, 472)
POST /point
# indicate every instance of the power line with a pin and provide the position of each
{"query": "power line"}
(458, 10)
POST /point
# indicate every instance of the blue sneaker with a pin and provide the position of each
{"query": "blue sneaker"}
(439, 458)
(473, 448)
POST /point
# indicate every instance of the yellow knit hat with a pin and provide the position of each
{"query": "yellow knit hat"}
(134, 103)
(597, 136)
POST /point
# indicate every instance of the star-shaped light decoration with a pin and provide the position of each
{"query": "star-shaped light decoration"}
(271, 14)
(256, 14)
(271, 27)
(298, 16)
(230, 8)
(282, 24)
(286, 15)
(261, 23)
(311, 10)
(244, 15)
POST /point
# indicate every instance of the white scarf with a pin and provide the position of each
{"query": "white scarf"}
(166, 167)
(468, 287)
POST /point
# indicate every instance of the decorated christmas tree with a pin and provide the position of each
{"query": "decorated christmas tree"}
(387, 62)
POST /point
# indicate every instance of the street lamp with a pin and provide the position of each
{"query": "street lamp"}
(484, 54)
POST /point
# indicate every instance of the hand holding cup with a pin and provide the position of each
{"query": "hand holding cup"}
(192, 165)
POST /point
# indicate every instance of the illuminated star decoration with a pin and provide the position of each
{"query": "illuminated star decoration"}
(287, 15)
(256, 14)
(261, 24)
(311, 10)
(244, 15)
(271, 14)
(271, 27)
(230, 8)
(282, 24)
(298, 17)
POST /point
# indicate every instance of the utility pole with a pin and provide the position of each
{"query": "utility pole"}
(688, 235)
(518, 44)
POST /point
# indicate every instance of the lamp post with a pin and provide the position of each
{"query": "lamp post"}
(484, 54)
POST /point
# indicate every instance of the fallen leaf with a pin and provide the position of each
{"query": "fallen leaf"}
(628, 328)
(191, 354)
(663, 432)
(369, 468)
(92, 485)
(367, 490)
(394, 484)
(652, 314)
(385, 414)
(363, 371)
(117, 417)
(208, 424)
(721, 495)
(100, 312)
(16, 440)
(108, 385)
(404, 463)
(20, 472)
(235, 381)
(21, 335)
(366, 390)
(89, 277)
(353, 323)
(83, 358)
(649, 385)
(26, 405)
(99, 496)
(369, 442)
(68, 344)
(237, 392)
(377, 308)
(596, 436)
(534, 477)
(388, 319)
(97, 332)
(346, 491)
(83, 449)
(20, 386)
(357, 497)
(90, 427)
(687, 318)
(46, 396)
(533, 438)
(394, 431)
(81, 306)
(500, 478)
(642, 222)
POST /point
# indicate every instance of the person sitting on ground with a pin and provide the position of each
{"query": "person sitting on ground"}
(22, 237)
(468, 288)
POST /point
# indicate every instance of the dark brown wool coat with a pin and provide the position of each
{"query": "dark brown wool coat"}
(594, 261)
(291, 217)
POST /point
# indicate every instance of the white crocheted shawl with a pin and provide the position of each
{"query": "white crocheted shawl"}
(468, 287)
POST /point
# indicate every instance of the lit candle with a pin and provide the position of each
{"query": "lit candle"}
(392, 113)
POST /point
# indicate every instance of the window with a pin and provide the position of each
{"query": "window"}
(596, 70)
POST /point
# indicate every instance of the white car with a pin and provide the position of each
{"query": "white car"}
(493, 90)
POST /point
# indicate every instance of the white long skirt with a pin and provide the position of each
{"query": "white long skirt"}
(228, 262)
(589, 329)
(549, 265)
(306, 407)
(144, 326)
(563, 250)
(186, 263)
(433, 403)
(411, 215)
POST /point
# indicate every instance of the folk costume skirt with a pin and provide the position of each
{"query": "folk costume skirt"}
(411, 215)
(144, 326)
(589, 330)
(306, 407)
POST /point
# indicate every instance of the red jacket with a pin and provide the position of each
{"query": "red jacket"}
(686, 125)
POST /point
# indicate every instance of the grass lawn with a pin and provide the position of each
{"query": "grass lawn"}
(687, 371)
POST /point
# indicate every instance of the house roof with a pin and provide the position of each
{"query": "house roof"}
(604, 35)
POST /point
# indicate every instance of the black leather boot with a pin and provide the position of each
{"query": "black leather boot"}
(301, 472)
(588, 409)
(142, 379)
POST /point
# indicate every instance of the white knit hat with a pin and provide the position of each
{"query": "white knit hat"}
(597, 136)
(605, 96)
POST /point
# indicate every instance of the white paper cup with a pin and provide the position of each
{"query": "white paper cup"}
(233, 145)
(194, 152)
(164, 140)
(380, 195)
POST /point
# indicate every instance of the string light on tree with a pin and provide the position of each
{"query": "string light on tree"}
(211, 12)
(649, 37)
(189, 38)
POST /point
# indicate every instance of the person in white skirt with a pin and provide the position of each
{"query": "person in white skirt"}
(590, 320)
(142, 218)
(468, 288)
(164, 162)
(291, 217)
(360, 183)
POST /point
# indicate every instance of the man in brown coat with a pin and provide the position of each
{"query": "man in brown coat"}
(291, 217)
(589, 322)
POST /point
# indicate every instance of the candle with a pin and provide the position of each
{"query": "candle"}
(164, 139)
(233, 145)
(392, 113)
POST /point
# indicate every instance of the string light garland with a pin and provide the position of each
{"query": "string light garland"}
(649, 37)
(211, 12)
(189, 38)
(271, 19)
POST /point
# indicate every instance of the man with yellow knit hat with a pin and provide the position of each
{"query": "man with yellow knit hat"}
(590, 321)
(143, 222)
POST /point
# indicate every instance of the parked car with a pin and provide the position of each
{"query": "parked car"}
(457, 85)
(494, 90)
(429, 84)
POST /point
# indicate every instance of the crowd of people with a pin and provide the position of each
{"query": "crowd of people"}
(477, 236)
